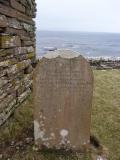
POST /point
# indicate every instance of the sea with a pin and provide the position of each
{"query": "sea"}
(88, 44)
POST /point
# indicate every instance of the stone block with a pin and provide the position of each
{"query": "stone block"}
(24, 18)
(7, 112)
(23, 96)
(18, 67)
(2, 30)
(20, 89)
(5, 2)
(6, 52)
(3, 21)
(25, 56)
(5, 10)
(7, 63)
(14, 31)
(28, 70)
(6, 88)
(3, 72)
(14, 23)
(24, 3)
(17, 5)
(6, 101)
(11, 107)
(28, 43)
(20, 50)
(7, 41)
(24, 50)
(15, 14)
(30, 55)
(3, 81)
(28, 27)
(30, 49)
(8, 57)
(25, 38)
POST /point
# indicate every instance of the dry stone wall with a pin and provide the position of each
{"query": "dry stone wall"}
(17, 53)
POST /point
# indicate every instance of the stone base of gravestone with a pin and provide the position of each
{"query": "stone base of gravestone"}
(63, 90)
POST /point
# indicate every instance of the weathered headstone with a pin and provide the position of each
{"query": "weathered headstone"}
(63, 89)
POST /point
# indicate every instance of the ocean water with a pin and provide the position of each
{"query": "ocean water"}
(87, 44)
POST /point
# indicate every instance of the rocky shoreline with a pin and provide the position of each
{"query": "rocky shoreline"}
(99, 63)
(104, 64)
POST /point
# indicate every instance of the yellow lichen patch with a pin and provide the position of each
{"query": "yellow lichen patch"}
(31, 55)
(7, 63)
(23, 64)
(7, 41)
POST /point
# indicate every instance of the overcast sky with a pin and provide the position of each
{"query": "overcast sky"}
(79, 15)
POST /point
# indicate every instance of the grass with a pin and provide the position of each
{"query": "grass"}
(106, 111)
(19, 122)
(105, 122)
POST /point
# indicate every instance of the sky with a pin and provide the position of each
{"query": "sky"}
(78, 15)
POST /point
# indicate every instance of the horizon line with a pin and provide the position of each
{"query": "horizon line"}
(44, 30)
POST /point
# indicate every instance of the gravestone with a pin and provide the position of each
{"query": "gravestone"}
(63, 90)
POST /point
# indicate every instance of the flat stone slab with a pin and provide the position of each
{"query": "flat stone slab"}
(63, 90)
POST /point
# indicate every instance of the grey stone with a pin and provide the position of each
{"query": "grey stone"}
(14, 23)
(3, 21)
(63, 90)
(23, 96)
(7, 41)
(17, 6)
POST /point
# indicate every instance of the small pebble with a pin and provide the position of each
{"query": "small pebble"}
(35, 148)
(1, 156)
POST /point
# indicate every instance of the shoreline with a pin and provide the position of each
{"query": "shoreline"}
(101, 63)
(104, 64)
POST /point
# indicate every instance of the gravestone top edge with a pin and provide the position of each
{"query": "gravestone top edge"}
(62, 53)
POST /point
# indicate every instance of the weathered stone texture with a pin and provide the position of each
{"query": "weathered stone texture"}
(8, 41)
(3, 21)
(63, 90)
(17, 53)
(17, 5)
(14, 23)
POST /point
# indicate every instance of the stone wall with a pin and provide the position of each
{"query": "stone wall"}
(17, 53)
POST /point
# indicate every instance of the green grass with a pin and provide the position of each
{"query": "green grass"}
(19, 122)
(105, 120)
(106, 111)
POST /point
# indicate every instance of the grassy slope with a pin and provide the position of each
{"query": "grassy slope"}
(106, 110)
(105, 117)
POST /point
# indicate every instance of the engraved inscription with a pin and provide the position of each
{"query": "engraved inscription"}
(64, 79)
(63, 89)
